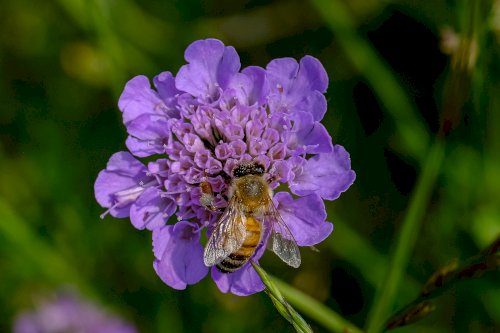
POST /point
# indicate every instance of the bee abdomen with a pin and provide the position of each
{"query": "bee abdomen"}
(240, 257)
(232, 263)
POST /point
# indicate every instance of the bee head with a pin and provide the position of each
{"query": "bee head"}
(248, 169)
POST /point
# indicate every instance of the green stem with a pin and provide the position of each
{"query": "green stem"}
(316, 310)
(384, 298)
(414, 137)
(285, 309)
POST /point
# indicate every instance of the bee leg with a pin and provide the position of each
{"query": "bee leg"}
(208, 202)
(207, 196)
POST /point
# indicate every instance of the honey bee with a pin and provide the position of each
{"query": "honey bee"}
(240, 228)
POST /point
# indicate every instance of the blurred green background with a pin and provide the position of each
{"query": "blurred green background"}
(399, 70)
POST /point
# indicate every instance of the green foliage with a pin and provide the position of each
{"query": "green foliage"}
(422, 129)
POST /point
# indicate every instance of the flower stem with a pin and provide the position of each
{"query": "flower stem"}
(285, 309)
(317, 311)
(384, 298)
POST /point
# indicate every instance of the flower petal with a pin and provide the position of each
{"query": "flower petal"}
(250, 86)
(181, 262)
(211, 65)
(282, 72)
(165, 85)
(120, 184)
(314, 103)
(311, 76)
(325, 174)
(138, 98)
(161, 239)
(149, 135)
(308, 136)
(243, 282)
(305, 217)
(297, 87)
(151, 210)
(315, 138)
(229, 65)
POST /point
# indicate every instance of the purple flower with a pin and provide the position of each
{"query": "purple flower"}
(68, 313)
(198, 127)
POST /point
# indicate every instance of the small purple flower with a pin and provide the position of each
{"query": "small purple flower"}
(198, 127)
(68, 313)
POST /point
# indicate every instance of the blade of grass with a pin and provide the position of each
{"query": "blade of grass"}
(384, 297)
(414, 138)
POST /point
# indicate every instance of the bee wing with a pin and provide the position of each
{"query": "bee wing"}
(228, 234)
(282, 241)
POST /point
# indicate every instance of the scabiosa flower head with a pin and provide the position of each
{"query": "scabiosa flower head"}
(69, 313)
(198, 127)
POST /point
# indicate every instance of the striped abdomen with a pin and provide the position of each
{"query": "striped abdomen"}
(238, 258)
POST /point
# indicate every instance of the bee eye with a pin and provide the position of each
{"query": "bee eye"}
(240, 171)
(248, 169)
